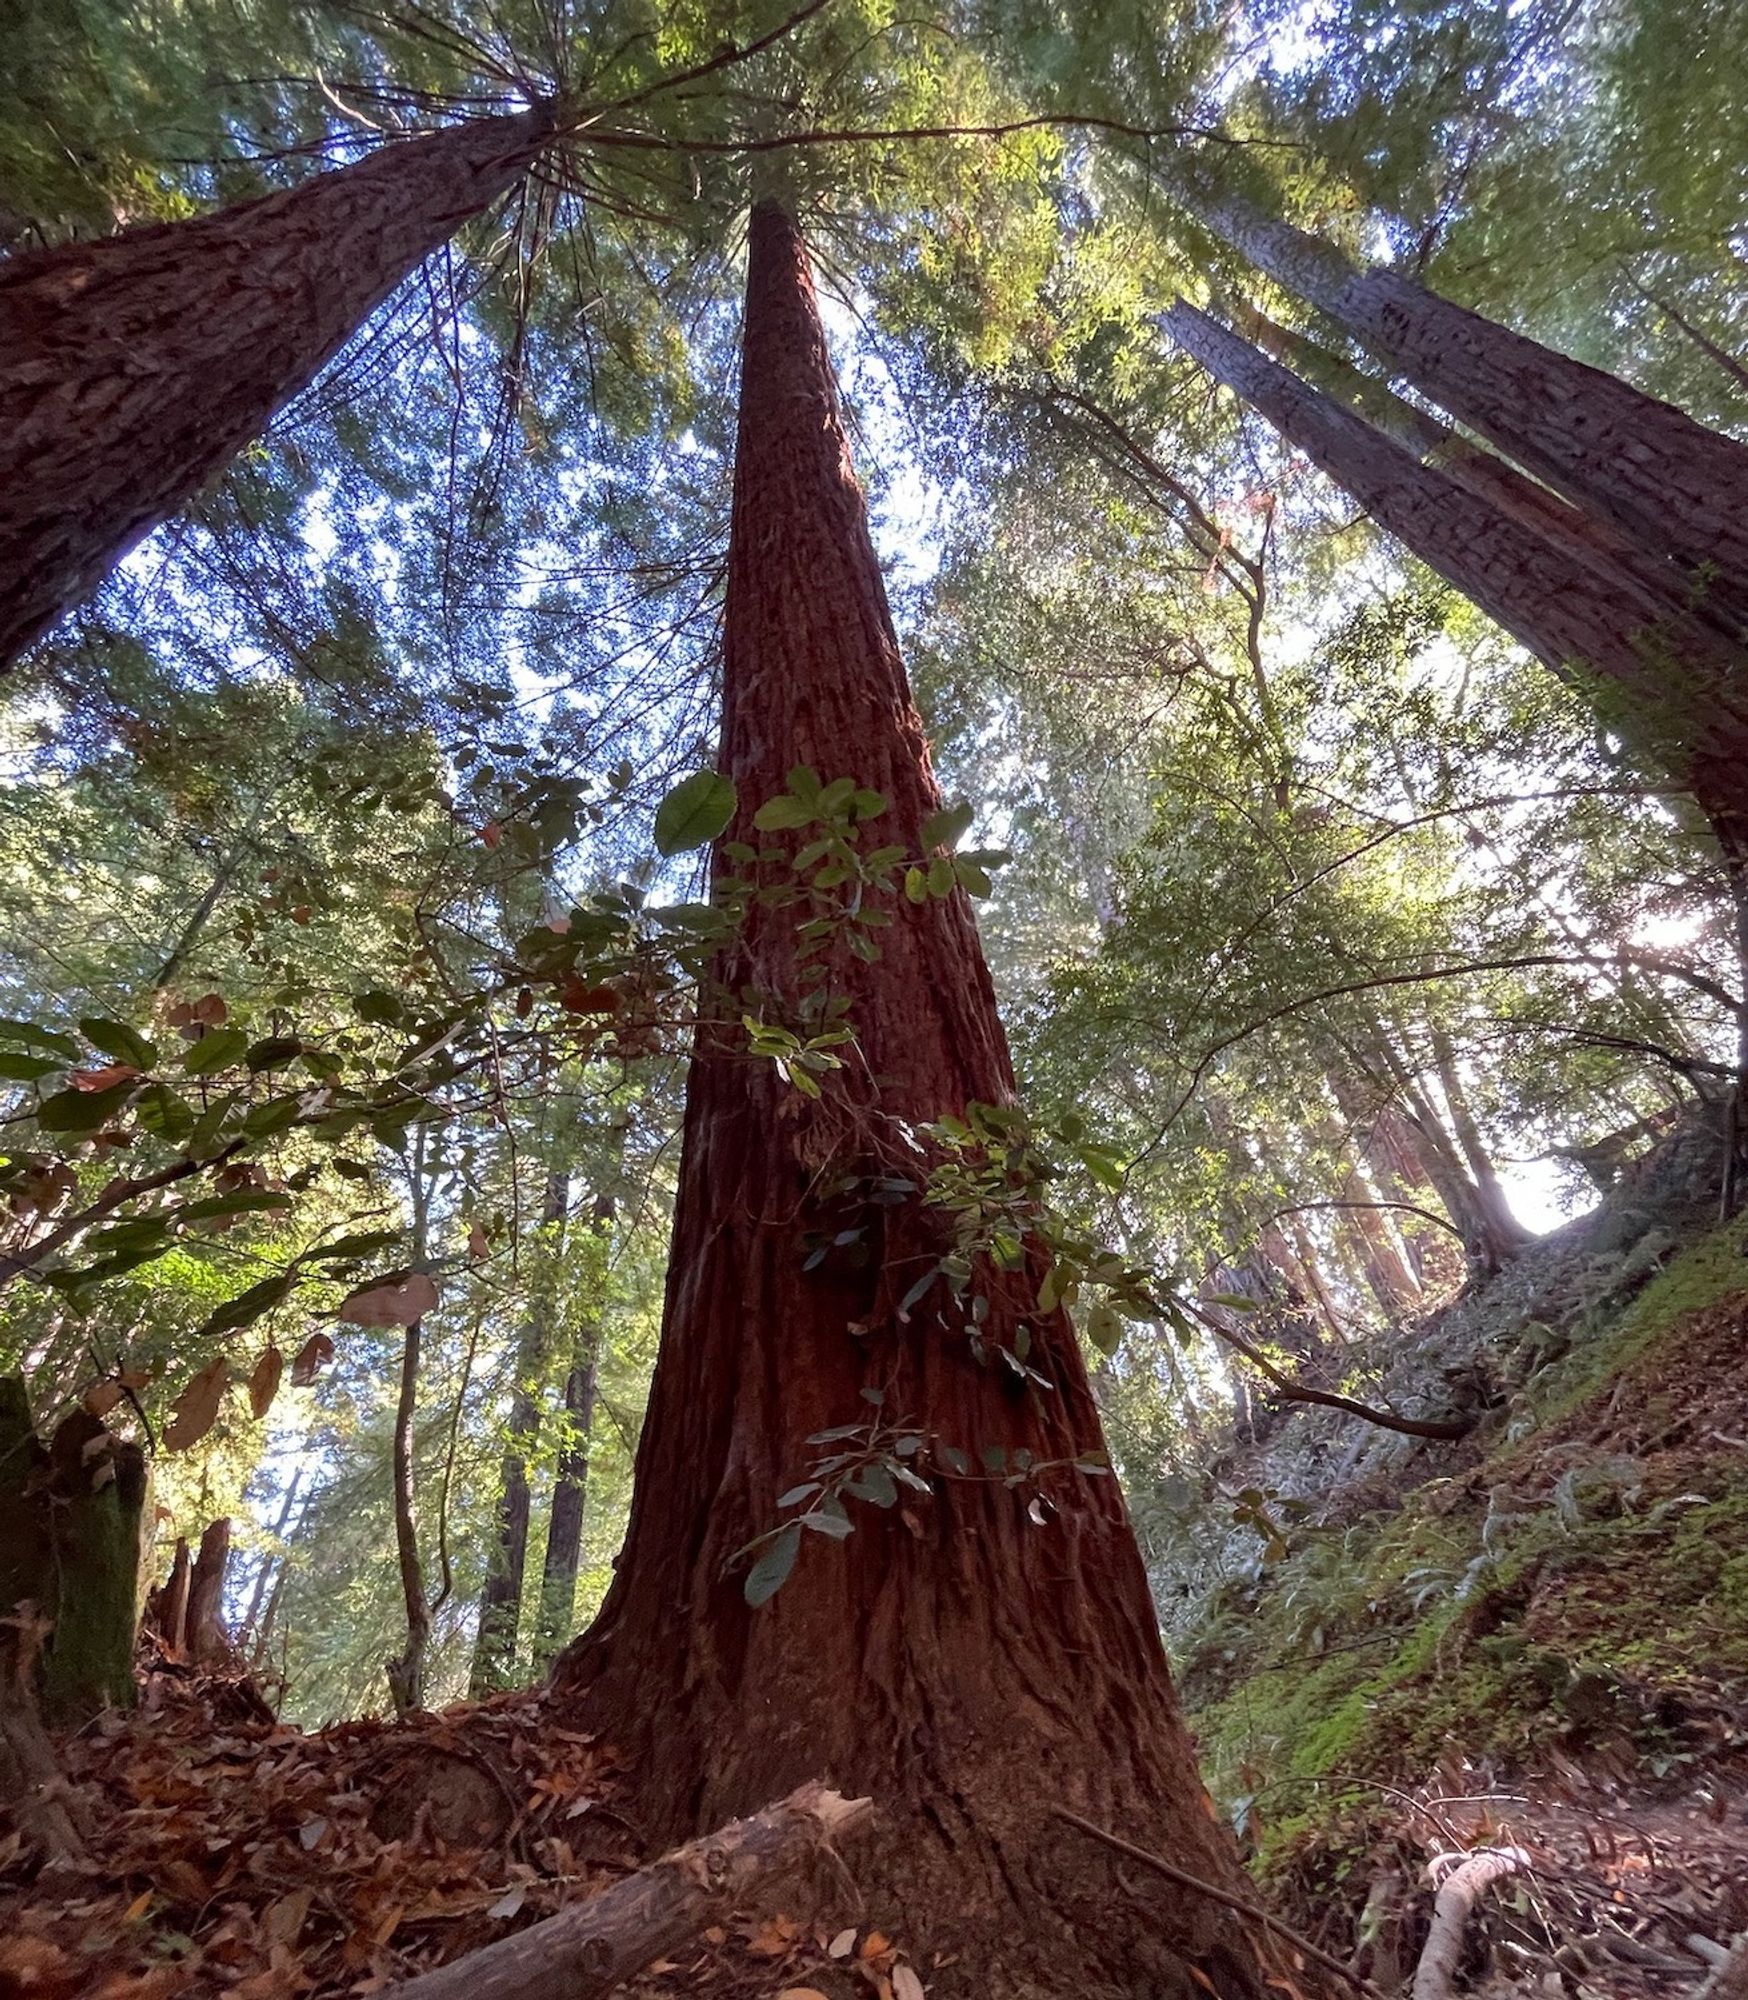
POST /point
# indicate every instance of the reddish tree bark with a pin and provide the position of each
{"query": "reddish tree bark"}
(963, 1663)
(1593, 542)
(1674, 486)
(1676, 689)
(135, 368)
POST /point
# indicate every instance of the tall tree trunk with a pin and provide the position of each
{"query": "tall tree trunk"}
(1680, 489)
(977, 1650)
(1592, 541)
(1675, 689)
(406, 1672)
(500, 1604)
(556, 1618)
(135, 368)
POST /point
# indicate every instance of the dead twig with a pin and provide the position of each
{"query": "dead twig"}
(1254, 1911)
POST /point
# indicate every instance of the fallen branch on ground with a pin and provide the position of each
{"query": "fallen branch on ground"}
(1255, 1911)
(1455, 1903)
(585, 1950)
(1728, 1981)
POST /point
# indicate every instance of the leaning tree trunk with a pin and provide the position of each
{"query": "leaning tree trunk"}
(1677, 487)
(1676, 691)
(1591, 541)
(976, 1650)
(134, 368)
(500, 1604)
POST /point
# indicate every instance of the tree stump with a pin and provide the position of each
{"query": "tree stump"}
(71, 1518)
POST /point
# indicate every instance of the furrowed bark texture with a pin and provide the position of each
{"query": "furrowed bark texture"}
(1678, 488)
(133, 369)
(959, 1662)
(1592, 542)
(1677, 691)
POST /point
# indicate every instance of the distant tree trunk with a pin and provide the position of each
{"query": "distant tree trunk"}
(406, 1672)
(253, 1625)
(1676, 487)
(1372, 1229)
(500, 1605)
(556, 1619)
(1677, 690)
(134, 368)
(1475, 1149)
(958, 1657)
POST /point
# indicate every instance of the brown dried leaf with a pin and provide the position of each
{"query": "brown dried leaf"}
(476, 1240)
(906, 1985)
(102, 1397)
(264, 1383)
(310, 1359)
(103, 1079)
(196, 1410)
(397, 1300)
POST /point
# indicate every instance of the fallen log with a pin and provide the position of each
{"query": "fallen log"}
(587, 1949)
(1435, 1975)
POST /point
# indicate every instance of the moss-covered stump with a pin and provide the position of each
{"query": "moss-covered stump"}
(71, 1527)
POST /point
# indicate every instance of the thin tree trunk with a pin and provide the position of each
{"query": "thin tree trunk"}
(133, 369)
(564, 1533)
(500, 1606)
(270, 1562)
(1675, 689)
(406, 1672)
(975, 1649)
(556, 1620)
(1678, 488)
(1700, 338)
(1481, 1168)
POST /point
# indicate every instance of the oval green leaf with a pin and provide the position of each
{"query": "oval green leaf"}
(694, 812)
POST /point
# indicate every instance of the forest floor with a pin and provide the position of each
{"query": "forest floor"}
(1535, 1638)
(228, 1854)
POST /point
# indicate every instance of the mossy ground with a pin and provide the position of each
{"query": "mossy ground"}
(1581, 1592)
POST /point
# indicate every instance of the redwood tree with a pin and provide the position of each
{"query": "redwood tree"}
(1678, 488)
(1674, 685)
(134, 368)
(975, 1652)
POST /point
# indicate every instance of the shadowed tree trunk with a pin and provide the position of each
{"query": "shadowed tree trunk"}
(973, 1652)
(500, 1604)
(1679, 489)
(135, 368)
(1676, 690)
(406, 1671)
(556, 1618)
